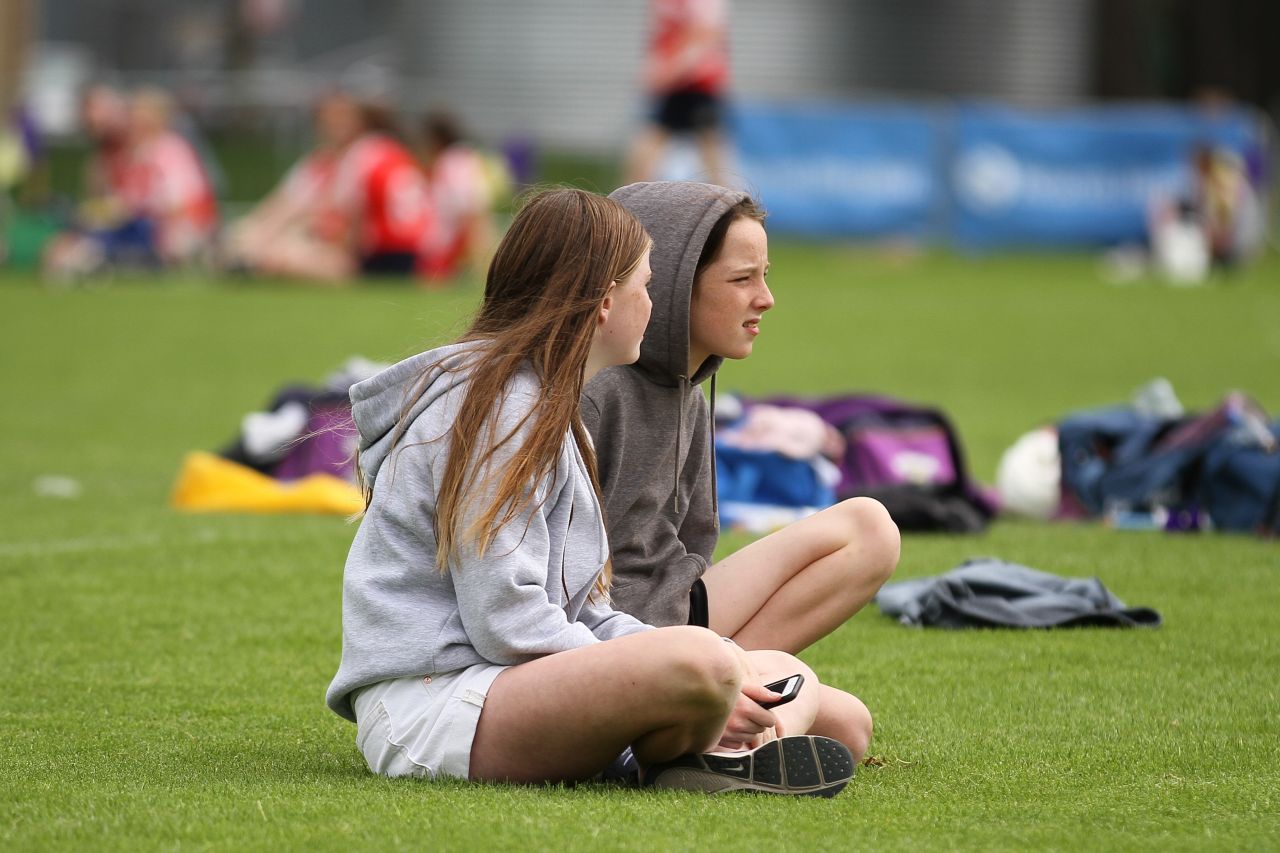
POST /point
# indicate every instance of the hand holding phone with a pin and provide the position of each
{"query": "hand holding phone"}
(789, 687)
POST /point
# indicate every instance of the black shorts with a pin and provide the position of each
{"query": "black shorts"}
(687, 111)
(698, 614)
(389, 263)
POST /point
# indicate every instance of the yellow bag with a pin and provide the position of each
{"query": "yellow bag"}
(209, 483)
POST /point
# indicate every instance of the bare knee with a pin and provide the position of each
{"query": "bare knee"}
(846, 718)
(703, 672)
(860, 728)
(873, 535)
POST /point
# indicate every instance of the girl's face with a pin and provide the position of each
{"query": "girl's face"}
(619, 336)
(338, 120)
(730, 296)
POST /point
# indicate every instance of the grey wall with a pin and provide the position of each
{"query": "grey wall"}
(1029, 52)
(567, 72)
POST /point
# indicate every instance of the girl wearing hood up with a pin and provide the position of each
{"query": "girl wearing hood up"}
(478, 637)
(652, 430)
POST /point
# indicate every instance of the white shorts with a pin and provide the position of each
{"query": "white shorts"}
(422, 725)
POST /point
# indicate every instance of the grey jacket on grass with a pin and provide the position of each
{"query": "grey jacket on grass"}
(987, 592)
(651, 424)
(527, 596)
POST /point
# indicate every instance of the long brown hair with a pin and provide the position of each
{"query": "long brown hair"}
(545, 286)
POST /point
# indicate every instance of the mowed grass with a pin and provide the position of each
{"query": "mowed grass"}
(164, 673)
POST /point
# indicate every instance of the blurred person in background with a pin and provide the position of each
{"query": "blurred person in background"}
(148, 198)
(687, 75)
(167, 181)
(293, 232)
(1217, 222)
(1226, 204)
(463, 185)
(357, 204)
(379, 197)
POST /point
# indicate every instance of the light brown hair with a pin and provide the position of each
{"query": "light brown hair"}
(545, 286)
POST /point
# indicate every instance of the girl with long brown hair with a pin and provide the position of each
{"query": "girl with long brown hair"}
(478, 638)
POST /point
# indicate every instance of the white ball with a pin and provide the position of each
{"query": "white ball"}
(1029, 475)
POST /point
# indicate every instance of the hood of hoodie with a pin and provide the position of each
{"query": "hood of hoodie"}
(678, 216)
(403, 390)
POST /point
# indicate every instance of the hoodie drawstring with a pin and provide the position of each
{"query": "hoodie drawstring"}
(715, 488)
(679, 441)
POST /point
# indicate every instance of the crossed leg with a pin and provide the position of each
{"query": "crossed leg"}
(566, 716)
(819, 709)
(793, 587)
(669, 692)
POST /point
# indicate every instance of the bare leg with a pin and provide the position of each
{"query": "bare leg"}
(793, 587)
(309, 260)
(845, 718)
(797, 716)
(642, 160)
(712, 153)
(819, 709)
(566, 716)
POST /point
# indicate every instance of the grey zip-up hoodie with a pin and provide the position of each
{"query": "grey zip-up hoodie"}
(528, 596)
(651, 424)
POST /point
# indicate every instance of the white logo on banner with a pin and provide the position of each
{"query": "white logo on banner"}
(988, 178)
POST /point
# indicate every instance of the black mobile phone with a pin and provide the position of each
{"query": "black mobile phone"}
(789, 687)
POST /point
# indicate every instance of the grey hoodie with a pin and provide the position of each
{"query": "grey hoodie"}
(650, 421)
(528, 596)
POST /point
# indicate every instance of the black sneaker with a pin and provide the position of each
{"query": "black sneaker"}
(806, 765)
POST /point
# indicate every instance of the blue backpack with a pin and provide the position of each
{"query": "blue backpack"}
(1224, 463)
(1240, 485)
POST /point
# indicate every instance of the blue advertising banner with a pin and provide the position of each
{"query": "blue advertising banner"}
(839, 170)
(1076, 177)
(982, 176)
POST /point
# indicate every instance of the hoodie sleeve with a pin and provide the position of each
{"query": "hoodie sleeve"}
(502, 595)
(606, 623)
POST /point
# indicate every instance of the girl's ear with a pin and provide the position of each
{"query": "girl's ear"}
(606, 305)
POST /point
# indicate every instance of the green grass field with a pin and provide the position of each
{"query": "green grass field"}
(164, 673)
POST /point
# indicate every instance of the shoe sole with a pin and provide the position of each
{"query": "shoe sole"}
(804, 765)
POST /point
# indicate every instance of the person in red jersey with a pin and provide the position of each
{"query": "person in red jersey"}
(356, 204)
(380, 194)
(687, 75)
